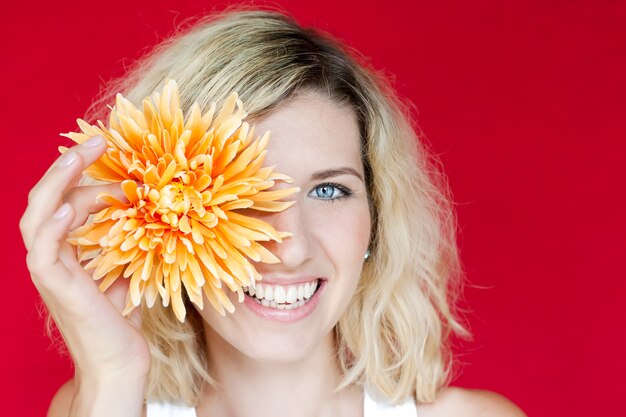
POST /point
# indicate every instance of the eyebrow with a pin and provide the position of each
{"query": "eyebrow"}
(329, 173)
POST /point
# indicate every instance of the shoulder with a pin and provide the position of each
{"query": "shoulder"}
(453, 401)
(62, 400)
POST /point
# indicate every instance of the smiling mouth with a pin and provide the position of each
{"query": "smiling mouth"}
(282, 297)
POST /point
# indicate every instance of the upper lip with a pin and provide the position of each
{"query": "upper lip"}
(285, 280)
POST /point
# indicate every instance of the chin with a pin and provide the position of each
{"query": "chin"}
(279, 342)
(260, 340)
(279, 349)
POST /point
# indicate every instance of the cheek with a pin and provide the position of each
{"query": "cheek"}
(231, 329)
(343, 232)
(342, 241)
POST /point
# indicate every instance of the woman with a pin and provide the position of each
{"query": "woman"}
(372, 252)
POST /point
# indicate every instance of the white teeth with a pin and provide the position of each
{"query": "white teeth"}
(279, 294)
(301, 292)
(282, 297)
(309, 289)
(292, 295)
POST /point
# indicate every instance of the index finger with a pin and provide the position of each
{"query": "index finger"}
(46, 195)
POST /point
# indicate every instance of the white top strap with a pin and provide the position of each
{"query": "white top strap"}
(371, 408)
(375, 405)
(161, 409)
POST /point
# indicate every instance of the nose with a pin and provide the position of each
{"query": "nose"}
(298, 248)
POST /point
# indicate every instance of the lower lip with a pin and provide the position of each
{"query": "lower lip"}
(285, 316)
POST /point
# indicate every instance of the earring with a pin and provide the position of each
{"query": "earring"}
(367, 255)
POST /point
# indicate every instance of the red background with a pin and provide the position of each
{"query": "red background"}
(523, 101)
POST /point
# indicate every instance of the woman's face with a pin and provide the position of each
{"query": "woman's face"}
(298, 302)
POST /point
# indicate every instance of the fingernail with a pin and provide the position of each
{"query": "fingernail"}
(93, 142)
(67, 158)
(62, 211)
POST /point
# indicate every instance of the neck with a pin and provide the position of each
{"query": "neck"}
(249, 387)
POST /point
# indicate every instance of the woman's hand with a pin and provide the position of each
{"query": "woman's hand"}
(108, 350)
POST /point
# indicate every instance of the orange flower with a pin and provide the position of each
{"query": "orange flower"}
(185, 180)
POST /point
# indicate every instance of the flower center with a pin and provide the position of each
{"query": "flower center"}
(173, 203)
(178, 191)
(172, 198)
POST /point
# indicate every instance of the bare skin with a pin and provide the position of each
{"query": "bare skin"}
(106, 348)
(451, 402)
(288, 368)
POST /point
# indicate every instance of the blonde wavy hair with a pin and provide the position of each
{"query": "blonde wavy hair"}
(395, 333)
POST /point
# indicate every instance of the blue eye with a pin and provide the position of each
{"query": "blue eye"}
(330, 191)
